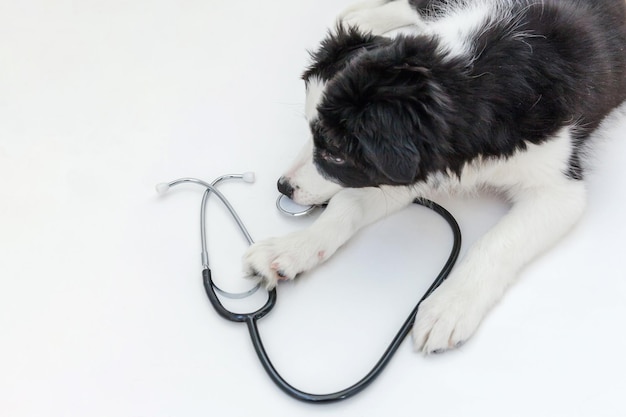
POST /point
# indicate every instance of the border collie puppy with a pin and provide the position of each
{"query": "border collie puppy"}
(407, 98)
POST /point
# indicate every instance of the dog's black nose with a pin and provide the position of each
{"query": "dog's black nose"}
(284, 187)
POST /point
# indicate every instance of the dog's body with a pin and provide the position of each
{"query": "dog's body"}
(461, 95)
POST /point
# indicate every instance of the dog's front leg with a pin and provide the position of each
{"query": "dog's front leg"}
(538, 218)
(347, 212)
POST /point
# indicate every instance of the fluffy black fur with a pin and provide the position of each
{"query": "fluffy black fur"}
(396, 111)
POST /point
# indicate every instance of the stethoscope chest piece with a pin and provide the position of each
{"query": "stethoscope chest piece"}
(289, 207)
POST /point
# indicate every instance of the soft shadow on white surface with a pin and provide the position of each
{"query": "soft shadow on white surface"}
(102, 309)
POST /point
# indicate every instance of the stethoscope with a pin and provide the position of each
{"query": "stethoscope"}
(250, 319)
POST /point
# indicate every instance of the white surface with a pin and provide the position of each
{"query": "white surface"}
(102, 310)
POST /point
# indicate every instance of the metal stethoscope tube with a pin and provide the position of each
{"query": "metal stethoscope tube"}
(251, 318)
(211, 188)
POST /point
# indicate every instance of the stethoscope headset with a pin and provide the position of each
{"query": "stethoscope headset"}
(250, 319)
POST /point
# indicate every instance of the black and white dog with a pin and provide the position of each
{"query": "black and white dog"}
(406, 98)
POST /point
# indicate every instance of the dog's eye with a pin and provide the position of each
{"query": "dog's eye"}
(337, 160)
(328, 157)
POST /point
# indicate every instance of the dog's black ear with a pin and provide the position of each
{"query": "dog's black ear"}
(337, 49)
(399, 165)
(392, 101)
(387, 142)
(418, 69)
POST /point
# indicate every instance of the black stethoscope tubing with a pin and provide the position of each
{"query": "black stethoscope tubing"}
(251, 322)
(251, 318)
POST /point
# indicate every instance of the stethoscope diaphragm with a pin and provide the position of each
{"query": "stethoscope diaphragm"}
(289, 207)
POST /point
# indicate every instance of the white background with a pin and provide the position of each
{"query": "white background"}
(102, 310)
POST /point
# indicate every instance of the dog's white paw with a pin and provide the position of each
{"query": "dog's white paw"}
(361, 6)
(379, 16)
(283, 258)
(450, 315)
(366, 20)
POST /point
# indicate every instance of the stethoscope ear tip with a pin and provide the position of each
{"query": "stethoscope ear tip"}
(162, 188)
(248, 176)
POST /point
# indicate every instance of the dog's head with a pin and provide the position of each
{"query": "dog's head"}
(375, 112)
